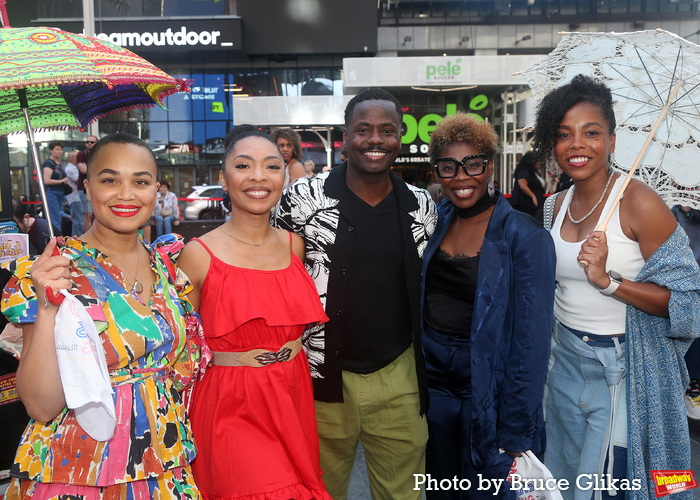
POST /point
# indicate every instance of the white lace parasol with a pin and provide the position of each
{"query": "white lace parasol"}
(641, 69)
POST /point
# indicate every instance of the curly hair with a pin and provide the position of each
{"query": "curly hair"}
(554, 106)
(462, 128)
(293, 138)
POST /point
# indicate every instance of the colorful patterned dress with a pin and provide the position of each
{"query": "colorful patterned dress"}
(149, 358)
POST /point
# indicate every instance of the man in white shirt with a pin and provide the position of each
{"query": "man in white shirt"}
(73, 199)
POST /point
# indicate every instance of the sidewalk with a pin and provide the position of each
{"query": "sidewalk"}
(359, 487)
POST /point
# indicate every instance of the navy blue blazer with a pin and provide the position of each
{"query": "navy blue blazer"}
(510, 333)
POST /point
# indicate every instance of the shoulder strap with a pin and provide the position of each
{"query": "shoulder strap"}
(204, 245)
(548, 211)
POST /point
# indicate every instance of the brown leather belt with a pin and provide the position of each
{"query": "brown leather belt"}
(258, 358)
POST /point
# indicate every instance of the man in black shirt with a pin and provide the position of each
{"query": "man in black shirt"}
(36, 228)
(365, 232)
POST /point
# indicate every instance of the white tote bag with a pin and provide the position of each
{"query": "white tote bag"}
(531, 479)
(83, 369)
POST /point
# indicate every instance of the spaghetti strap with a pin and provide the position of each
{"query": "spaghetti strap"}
(204, 245)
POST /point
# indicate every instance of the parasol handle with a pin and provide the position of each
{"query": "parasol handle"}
(604, 225)
(22, 94)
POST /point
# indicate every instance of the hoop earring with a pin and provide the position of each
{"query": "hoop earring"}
(490, 188)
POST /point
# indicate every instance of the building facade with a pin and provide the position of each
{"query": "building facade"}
(296, 63)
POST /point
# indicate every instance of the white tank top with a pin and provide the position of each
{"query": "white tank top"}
(579, 304)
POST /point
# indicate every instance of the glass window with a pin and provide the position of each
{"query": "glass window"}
(185, 181)
(217, 106)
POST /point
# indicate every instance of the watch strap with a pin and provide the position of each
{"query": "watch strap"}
(615, 282)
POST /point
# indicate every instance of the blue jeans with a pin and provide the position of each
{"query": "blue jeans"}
(164, 225)
(54, 199)
(76, 215)
(585, 409)
(86, 205)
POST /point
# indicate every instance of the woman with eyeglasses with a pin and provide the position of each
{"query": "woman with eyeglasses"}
(488, 290)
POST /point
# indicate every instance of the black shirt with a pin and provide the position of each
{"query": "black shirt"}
(450, 287)
(378, 327)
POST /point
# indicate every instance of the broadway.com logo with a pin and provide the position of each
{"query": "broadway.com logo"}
(667, 482)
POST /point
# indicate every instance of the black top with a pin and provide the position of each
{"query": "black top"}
(379, 325)
(57, 174)
(450, 287)
(519, 200)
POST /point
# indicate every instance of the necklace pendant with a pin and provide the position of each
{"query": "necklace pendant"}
(138, 287)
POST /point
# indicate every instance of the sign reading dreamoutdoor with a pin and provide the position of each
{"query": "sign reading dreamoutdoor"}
(159, 35)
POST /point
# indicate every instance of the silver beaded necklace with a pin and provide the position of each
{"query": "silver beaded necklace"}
(568, 208)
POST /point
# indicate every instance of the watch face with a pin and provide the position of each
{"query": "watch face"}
(615, 276)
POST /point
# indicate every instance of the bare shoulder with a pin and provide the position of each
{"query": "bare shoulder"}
(194, 260)
(647, 216)
(642, 201)
(298, 246)
(558, 202)
(296, 170)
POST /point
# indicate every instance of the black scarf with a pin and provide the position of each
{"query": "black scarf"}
(482, 205)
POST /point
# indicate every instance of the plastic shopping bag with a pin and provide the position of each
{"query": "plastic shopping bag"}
(83, 369)
(531, 480)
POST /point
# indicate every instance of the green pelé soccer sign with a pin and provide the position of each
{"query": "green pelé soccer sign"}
(415, 128)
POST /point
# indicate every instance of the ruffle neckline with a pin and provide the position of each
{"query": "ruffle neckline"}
(281, 297)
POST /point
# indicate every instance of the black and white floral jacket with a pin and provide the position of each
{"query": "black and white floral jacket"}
(317, 210)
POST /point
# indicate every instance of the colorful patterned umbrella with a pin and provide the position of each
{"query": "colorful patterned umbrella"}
(51, 78)
(72, 80)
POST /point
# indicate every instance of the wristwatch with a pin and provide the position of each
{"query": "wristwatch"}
(615, 282)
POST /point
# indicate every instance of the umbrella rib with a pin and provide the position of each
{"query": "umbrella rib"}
(646, 69)
(641, 102)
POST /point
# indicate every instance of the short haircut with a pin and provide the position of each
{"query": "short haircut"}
(293, 138)
(462, 128)
(372, 95)
(117, 138)
(165, 183)
(239, 133)
(18, 208)
(554, 106)
(53, 144)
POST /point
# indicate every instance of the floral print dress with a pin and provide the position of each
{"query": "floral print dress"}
(149, 358)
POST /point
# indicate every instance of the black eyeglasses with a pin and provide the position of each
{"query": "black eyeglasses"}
(90, 142)
(473, 165)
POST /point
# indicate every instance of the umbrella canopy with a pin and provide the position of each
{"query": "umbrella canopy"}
(72, 80)
(642, 70)
(51, 78)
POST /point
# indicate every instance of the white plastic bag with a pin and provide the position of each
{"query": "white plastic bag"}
(83, 369)
(531, 480)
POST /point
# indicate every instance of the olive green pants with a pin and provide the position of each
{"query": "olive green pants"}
(382, 410)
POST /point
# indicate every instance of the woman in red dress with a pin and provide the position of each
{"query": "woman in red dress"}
(253, 414)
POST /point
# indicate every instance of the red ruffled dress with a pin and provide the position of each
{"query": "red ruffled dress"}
(255, 428)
